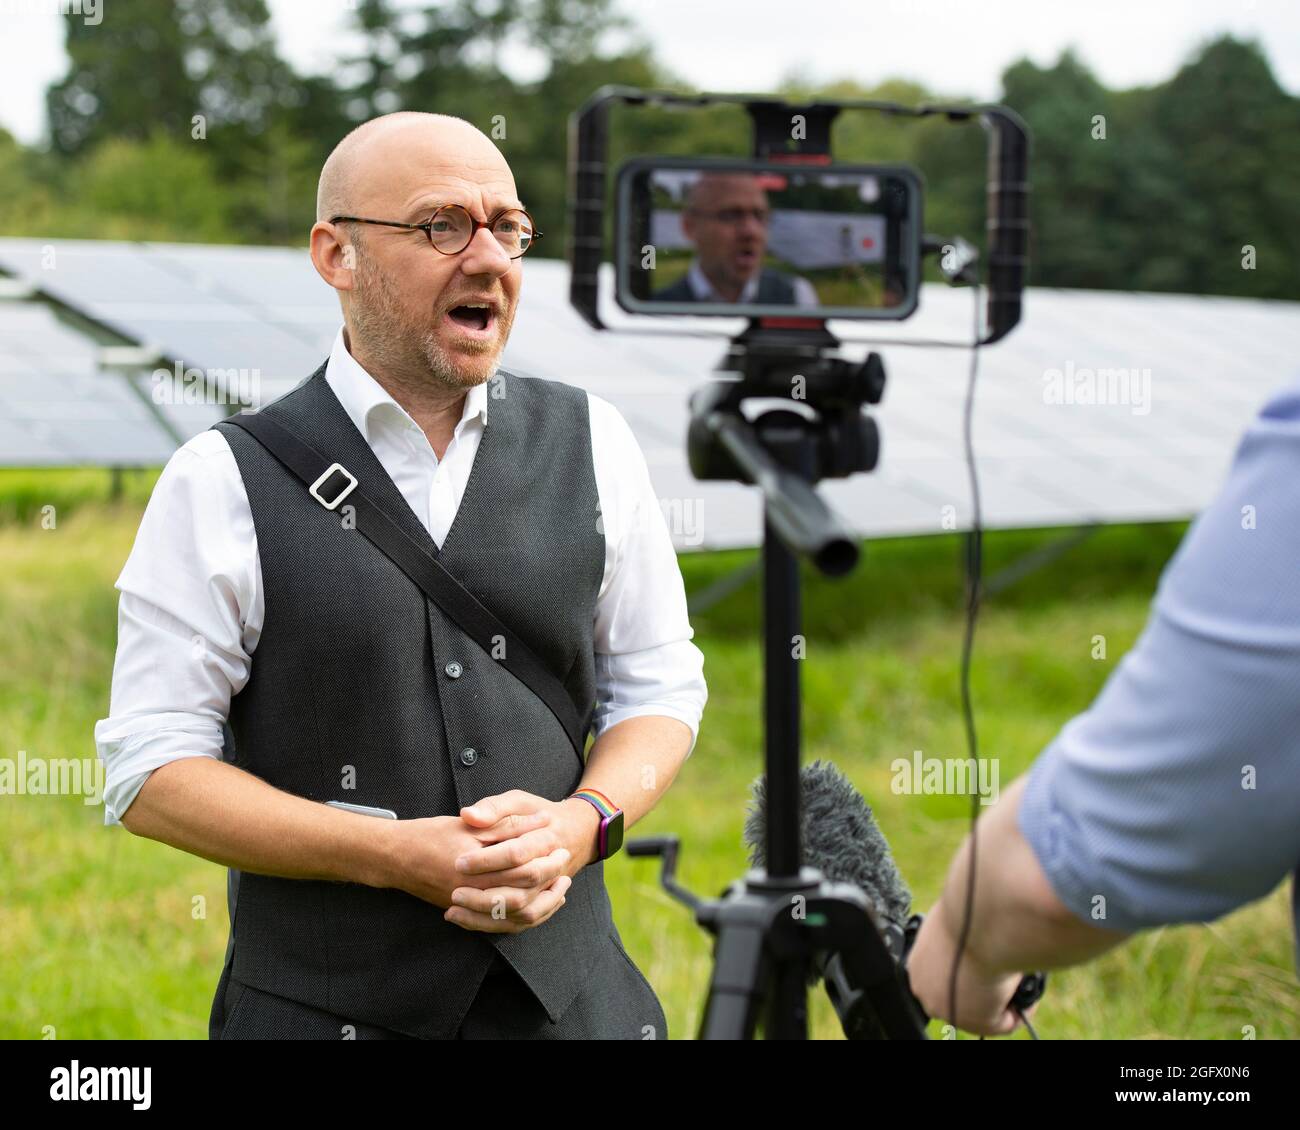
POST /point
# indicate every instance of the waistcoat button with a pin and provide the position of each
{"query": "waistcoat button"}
(453, 669)
(468, 756)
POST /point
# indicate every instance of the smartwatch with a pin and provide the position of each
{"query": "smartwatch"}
(609, 838)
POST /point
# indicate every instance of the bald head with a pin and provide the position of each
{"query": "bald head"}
(423, 319)
(354, 172)
(713, 190)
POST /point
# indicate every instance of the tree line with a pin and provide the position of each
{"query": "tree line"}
(178, 120)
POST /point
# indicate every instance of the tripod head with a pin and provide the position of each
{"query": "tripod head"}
(795, 364)
(785, 452)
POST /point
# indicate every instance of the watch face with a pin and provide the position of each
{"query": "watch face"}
(613, 835)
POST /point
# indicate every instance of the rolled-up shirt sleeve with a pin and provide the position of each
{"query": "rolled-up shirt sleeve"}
(646, 662)
(189, 616)
(1176, 796)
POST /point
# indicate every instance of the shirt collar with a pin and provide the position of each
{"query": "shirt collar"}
(703, 289)
(367, 402)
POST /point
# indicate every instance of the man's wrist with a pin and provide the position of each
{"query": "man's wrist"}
(586, 830)
(376, 857)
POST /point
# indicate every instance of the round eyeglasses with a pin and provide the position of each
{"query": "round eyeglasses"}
(761, 216)
(451, 228)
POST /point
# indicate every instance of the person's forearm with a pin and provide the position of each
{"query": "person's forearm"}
(1017, 922)
(215, 810)
(633, 763)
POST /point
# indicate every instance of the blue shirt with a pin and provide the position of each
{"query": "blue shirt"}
(1176, 796)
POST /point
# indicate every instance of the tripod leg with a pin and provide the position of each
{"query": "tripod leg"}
(736, 988)
(787, 1013)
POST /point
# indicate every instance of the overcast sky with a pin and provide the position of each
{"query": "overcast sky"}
(957, 48)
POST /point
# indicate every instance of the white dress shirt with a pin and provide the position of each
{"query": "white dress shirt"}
(191, 606)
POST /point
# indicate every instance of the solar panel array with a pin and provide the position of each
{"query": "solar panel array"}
(58, 408)
(1186, 374)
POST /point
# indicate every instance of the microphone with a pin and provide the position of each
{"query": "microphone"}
(839, 837)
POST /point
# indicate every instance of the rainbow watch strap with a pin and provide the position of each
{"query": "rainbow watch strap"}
(603, 804)
(607, 810)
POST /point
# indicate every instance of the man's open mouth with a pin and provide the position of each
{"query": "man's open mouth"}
(474, 320)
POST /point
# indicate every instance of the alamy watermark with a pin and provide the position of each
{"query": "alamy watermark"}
(683, 517)
(945, 776)
(77, 1083)
(90, 11)
(55, 776)
(179, 385)
(1131, 387)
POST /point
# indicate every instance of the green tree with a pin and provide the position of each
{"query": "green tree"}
(29, 203)
(1075, 171)
(1188, 173)
(158, 188)
(156, 64)
(1233, 137)
(449, 58)
(203, 73)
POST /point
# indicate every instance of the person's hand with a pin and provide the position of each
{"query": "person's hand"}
(506, 910)
(421, 858)
(983, 996)
(509, 885)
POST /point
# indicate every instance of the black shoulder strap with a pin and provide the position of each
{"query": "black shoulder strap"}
(478, 622)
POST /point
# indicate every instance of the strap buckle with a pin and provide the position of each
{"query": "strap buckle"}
(314, 489)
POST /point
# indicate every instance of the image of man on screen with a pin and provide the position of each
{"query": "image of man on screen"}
(726, 219)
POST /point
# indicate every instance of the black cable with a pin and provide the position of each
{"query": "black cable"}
(1025, 1021)
(973, 573)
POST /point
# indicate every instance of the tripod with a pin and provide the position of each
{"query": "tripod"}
(773, 925)
(779, 921)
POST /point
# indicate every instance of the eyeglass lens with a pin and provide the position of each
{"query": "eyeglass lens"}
(451, 229)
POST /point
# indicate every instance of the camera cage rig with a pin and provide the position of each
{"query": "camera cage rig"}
(1006, 222)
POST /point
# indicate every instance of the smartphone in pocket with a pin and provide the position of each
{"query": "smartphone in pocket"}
(362, 810)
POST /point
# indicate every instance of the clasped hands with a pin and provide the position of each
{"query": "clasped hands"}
(503, 865)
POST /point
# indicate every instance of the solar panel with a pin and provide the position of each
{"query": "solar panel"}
(240, 309)
(58, 409)
(1196, 369)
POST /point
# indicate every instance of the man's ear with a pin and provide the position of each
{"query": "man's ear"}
(333, 255)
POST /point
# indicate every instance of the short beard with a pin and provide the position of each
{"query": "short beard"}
(407, 352)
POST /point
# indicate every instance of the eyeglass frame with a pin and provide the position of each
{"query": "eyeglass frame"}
(719, 215)
(427, 226)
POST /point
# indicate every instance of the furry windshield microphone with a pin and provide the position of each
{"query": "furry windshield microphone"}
(839, 837)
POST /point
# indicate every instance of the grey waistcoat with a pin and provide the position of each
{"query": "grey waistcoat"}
(364, 691)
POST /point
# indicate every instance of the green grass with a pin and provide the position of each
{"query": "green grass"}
(103, 934)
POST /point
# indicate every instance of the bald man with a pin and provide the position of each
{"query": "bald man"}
(726, 217)
(416, 846)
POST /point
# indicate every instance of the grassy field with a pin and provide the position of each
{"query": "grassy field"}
(103, 934)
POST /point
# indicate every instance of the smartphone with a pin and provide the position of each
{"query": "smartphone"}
(361, 809)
